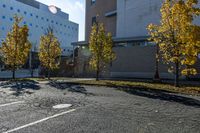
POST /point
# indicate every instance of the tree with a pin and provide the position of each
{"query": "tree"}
(177, 36)
(49, 51)
(15, 49)
(100, 46)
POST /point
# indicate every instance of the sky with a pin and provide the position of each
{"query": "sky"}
(75, 9)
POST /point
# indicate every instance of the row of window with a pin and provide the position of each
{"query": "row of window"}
(3, 29)
(135, 43)
(30, 24)
(42, 18)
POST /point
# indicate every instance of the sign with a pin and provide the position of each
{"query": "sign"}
(53, 9)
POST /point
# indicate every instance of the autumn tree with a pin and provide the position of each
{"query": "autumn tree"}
(49, 51)
(100, 45)
(16, 47)
(177, 36)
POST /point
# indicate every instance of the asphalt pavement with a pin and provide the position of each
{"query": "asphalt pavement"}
(27, 107)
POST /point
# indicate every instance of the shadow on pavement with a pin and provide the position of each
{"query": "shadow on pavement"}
(183, 83)
(161, 95)
(134, 90)
(76, 88)
(20, 87)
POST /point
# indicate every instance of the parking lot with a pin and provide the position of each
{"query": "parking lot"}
(27, 107)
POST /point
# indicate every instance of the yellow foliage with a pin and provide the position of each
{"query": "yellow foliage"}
(100, 46)
(15, 49)
(49, 50)
(178, 38)
(190, 71)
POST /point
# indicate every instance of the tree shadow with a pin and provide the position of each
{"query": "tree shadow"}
(71, 87)
(182, 82)
(20, 86)
(143, 91)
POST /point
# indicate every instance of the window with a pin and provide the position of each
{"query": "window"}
(18, 10)
(3, 17)
(52, 21)
(42, 18)
(37, 16)
(93, 2)
(3, 28)
(11, 19)
(25, 12)
(11, 8)
(36, 26)
(31, 24)
(4, 6)
(31, 14)
(24, 22)
(94, 20)
(47, 20)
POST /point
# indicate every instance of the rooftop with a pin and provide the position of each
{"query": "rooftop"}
(43, 7)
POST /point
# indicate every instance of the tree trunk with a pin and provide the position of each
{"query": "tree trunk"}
(177, 74)
(97, 73)
(32, 73)
(13, 73)
(157, 75)
(30, 64)
(48, 74)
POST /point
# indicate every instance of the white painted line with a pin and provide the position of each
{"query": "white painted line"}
(8, 104)
(39, 121)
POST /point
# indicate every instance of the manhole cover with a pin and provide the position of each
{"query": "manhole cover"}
(62, 106)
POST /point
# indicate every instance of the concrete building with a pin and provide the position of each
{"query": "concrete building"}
(135, 55)
(127, 20)
(106, 11)
(38, 17)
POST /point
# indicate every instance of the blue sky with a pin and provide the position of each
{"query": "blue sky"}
(75, 9)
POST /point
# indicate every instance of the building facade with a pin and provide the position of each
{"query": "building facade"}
(38, 17)
(133, 16)
(135, 55)
(103, 11)
(128, 21)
